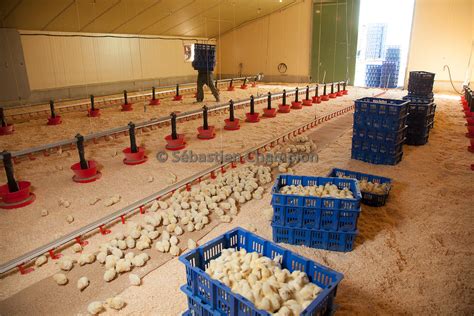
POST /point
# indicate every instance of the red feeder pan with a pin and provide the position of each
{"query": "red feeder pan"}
(206, 133)
(340, 93)
(232, 125)
(254, 85)
(283, 108)
(252, 118)
(269, 112)
(316, 99)
(307, 102)
(325, 97)
(93, 113)
(470, 120)
(54, 120)
(469, 113)
(470, 129)
(134, 158)
(154, 102)
(7, 130)
(85, 175)
(296, 105)
(177, 98)
(127, 107)
(345, 92)
(332, 95)
(20, 198)
(244, 86)
(465, 107)
(175, 144)
(230, 88)
(464, 102)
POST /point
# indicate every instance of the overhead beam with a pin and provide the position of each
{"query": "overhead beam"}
(58, 15)
(100, 15)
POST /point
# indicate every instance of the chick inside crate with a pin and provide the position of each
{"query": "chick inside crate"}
(305, 288)
(375, 189)
(317, 203)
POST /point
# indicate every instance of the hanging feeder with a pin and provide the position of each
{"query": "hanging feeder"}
(471, 148)
(205, 131)
(252, 117)
(269, 111)
(14, 194)
(231, 85)
(316, 98)
(232, 123)
(470, 131)
(174, 141)
(126, 106)
(332, 95)
(307, 101)
(134, 155)
(283, 107)
(177, 97)
(254, 83)
(344, 90)
(154, 100)
(324, 97)
(53, 119)
(339, 92)
(93, 112)
(85, 171)
(244, 85)
(296, 104)
(5, 129)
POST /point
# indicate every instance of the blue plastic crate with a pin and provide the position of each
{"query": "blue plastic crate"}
(367, 197)
(418, 100)
(383, 107)
(379, 122)
(196, 306)
(362, 133)
(321, 239)
(314, 201)
(225, 302)
(378, 159)
(376, 147)
(314, 212)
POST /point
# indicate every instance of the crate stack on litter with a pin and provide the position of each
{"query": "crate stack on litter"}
(319, 222)
(379, 130)
(204, 57)
(372, 75)
(421, 108)
(210, 297)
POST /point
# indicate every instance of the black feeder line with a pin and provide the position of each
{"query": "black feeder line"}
(284, 97)
(205, 124)
(269, 101)
(92, 103)
(245, 81)
(338, 87)
(252, 105)
(153, 97)
(307, 93)
(324, 89)
(231, 111)
(2, 118)
(231, 83)
(133, 140)
(125, 98)
(80, 148)
(296, 94)
(332, 88)
(51, 107)
(174, 134)
(316, 91)
(8, 164)
(344, 86)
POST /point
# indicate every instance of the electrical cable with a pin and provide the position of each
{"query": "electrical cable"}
(114, 36)
(450, 79)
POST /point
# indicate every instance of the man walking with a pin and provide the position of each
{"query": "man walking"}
(204, 62)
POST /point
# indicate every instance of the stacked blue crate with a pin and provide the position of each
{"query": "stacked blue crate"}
(204, 57)
(318, 222)
(372, 75)
(389, 75)
(379, 130)
(421, 107)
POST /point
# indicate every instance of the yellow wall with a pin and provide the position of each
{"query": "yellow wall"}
(443, 32)
(54, 62)
(281, 37)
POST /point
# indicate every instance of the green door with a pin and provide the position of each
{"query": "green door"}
(334, 40)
